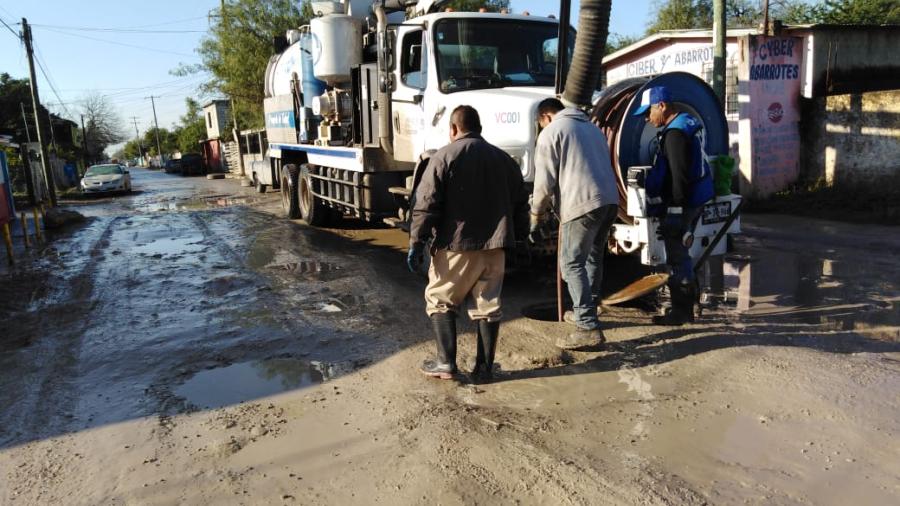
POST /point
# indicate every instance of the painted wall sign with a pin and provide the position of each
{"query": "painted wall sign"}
(770, 136)
(684, 57)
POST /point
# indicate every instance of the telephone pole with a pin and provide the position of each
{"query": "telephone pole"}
(718, 84)
(137, 137)
(158, 146)
(84, 150)
(35, 102)
(25, 119)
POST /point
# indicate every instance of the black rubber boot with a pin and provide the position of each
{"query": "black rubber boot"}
(488, 332)
(682, 310)
(444, 365)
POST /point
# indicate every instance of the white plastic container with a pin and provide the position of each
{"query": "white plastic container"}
(337, 47)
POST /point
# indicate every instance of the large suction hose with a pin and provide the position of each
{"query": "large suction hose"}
(593, 25)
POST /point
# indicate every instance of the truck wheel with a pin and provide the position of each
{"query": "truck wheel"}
(289, 198)
(313, 211)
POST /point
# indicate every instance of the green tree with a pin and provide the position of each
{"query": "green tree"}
(617, 41)
(862, 12)
(474, 5)
(698, 14)
(167, 140)
(14, 93)
(238, 47)
(192, 129)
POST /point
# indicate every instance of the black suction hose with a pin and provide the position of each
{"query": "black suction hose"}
(593, 24)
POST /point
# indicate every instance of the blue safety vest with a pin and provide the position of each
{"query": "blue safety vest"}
(700, 182)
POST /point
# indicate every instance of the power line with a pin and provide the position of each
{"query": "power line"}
(10, 29)
(113, 30)
(120, 43)
(39, 58)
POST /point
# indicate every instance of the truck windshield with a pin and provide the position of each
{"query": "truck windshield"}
(475, 53)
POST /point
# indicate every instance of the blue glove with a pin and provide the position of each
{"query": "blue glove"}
(416, 257)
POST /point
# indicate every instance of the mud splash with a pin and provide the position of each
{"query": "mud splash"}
(236, 383)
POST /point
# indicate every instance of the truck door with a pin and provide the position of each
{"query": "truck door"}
(407, 101)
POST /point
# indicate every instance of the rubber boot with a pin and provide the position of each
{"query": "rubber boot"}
(487, 332)
(444, 365)
(682, 310)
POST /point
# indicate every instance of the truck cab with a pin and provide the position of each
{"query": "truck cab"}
(502, 65)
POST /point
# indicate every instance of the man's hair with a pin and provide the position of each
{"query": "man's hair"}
(550, 106)
(466, 119)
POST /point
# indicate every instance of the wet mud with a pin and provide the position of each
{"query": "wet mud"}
(188, 345)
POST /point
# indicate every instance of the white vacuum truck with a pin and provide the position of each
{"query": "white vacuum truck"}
(363, 94)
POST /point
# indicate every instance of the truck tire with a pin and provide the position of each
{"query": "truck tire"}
(289, 198)
(312, 209)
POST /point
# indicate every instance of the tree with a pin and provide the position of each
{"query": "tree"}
(103, 126)
(192, 129)
(167, 140)
(861, 12)
(14, 93)
(617, 41)
(698, 14)
(474, 5)
(238, 47)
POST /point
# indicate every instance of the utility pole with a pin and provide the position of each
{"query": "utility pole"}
(237, 138)
(158, 146)
(25, 119)
(562, 51)
(84, 150)
(718, 84)
(137, 137)
(35, 102)
(52, 135)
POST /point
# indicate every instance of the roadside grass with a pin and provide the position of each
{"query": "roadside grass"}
(876, 201)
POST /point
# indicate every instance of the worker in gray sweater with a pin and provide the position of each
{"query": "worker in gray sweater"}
(574, 171)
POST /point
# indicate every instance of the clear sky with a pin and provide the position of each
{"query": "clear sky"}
(125, 49)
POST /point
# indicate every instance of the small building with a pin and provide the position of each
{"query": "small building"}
(216, 113)
(804, 103)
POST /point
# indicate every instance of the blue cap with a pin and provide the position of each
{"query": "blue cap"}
(652, 96)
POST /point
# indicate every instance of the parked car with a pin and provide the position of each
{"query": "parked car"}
(191, 164)
(172, 166)
(106, 178)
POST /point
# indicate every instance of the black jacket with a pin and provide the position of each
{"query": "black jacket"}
(471, 197)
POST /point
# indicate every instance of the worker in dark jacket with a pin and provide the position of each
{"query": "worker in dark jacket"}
(677, 187)
(471, 205)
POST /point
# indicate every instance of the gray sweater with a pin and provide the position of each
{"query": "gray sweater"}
(572, 165)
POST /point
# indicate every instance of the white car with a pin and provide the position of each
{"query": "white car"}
(106, 178)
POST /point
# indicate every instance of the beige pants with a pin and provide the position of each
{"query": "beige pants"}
(455, 276)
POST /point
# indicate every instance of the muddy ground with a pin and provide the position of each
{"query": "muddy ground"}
(188, 345)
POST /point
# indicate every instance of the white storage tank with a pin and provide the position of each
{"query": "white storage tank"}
(337, 47)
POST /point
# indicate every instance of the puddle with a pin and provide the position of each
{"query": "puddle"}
(213, 201)
(215, 388)
(172, 245)
(808, 287)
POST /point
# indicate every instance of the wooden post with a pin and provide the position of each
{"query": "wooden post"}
(38, 235)
(7, 238)
(559, 291)
(23, 219)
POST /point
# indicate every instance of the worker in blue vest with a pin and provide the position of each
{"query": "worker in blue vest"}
(677, 187)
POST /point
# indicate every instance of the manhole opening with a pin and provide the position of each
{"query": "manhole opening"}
(543, 311)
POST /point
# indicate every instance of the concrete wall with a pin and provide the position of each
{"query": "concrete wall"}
(852, 138)
(847, 59)
(215, 115)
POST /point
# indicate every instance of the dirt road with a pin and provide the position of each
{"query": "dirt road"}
(188, 346)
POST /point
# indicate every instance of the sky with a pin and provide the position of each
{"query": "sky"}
(126, 50)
